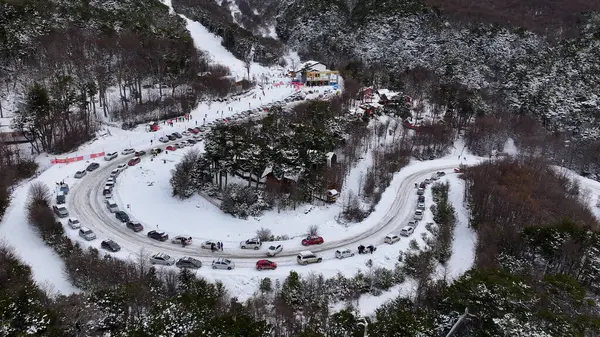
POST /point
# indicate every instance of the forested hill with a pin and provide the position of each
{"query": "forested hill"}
(523, 55)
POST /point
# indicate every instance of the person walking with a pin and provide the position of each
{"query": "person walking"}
(221, 246)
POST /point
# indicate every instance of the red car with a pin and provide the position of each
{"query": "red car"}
(458, 170)
(194, 131)
(312, 240)
(265, 264)
(171, 148)
(134, 161)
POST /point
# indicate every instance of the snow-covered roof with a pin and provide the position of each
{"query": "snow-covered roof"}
(267, 170)
(332, 192)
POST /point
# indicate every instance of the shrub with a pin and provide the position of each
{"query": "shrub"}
(264, 234)
(266, 285)
(313, 230)
(383, 278)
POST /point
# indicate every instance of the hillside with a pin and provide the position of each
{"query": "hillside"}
(531, 73)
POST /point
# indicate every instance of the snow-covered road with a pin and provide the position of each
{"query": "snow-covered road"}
(88, 204)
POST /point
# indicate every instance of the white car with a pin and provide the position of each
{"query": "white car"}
(114, 173)
(418, 215)
(163, 259)
(111, 156)
(391, 238)
(223, 264)
(111, 205)
(127, 151)
(122, 167)
(407, 231)
(251, 244)
(74, 223)
(164, 139)
(274, 250)
(208, 244)
(182, 239)
(344, 253)
(87, 234)
(185, 133)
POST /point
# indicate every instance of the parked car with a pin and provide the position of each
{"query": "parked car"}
(427, 181)
(110, 245)
(121, 167)
(135, 226)
(156, 151)
(188, 262)
(251, 244)
(458, 170)
(434, 177)
(163, 259)
(74, 223)
(307, 257)
(122, 216)
(265, 264)
(171, 148)
(171, 137)
(177, 134)
(223, 264)
(107, 192)
(163, 139)
(186, 133)
(60, 211)
(114, 173)
(140, 153)
(312, 240)
(134, 161)
(208, 244)
(87, 234)
(421, 206)
(274, 250)
(91, 167)
(179, 145)
(182, 240)
(60, 197)
(391, 238)
(127, 151)
(413, 224)
(440, 173)
(80, 174)
(421, 198)
(194, 131)
(160, 236)
(418, 215)
(421, 191)
(407, 231)
(191, 141)
(344, 253)
(111, 205)
(111, 156)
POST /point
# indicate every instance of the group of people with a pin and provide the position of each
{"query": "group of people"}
(364, 250)
(216, 246)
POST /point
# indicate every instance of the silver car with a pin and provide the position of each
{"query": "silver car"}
(74, 223)
(87, 234)
(163, 259)
(80, 174)
(111, 205)
(223, 264)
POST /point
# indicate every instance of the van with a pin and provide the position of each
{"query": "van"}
(60, 197)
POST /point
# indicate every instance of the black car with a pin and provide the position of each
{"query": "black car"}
(91, 167)
(122, 216)
(140, 153)
(135, 226)
(191, 141)
(160, 236)
(421, 198)
(177, 134)
(156, 151)
(188, 262)
(110, 245)
(171, 137)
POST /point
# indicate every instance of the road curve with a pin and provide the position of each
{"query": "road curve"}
(87, 203)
